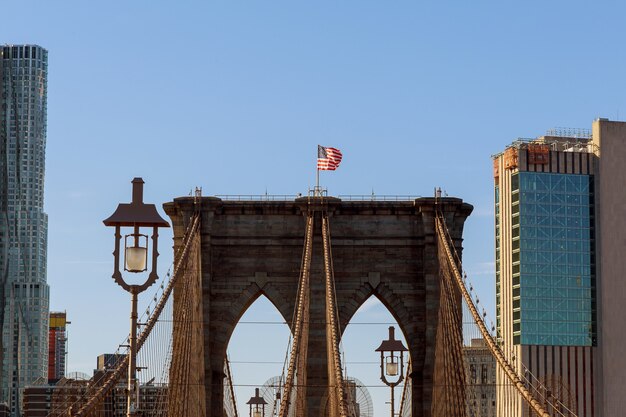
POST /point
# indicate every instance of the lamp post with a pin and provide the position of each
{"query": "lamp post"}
(135, 215)
(257, 405)
(392, 358)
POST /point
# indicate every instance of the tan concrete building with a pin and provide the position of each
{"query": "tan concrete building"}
(480, 376)
(560, 231)
(52, 400)
(610, 183)
(42, 399)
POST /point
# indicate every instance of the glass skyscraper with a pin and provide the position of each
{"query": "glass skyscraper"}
(552, 235)
(24, 293)
(546, 300)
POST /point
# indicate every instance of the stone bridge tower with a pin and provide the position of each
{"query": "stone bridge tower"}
(382, 248)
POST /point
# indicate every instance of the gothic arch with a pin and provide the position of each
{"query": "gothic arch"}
(249, 296)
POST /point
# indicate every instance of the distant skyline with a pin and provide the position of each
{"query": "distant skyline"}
(235, 98)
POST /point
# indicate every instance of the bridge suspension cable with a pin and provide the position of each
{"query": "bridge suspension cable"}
(451, 400)
(188, 394)
(85, 404)
(298, 353)
(336, 392)
(509, 370)
(405, 400)
(300, 320)
(229, 391)
(187, 398)
(538, 388)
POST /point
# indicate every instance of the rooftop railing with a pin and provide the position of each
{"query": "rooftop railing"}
(566, 144)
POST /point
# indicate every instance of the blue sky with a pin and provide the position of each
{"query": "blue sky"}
(234, 97)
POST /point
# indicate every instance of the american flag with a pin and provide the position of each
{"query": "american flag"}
(328, 159)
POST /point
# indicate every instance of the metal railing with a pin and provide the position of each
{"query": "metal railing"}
(292, 197)
(374, 197)
(565, 144)
(258, 197)
(570, 132)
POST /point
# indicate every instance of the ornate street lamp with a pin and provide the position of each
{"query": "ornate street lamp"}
(392, 358)
(136, 216)
(257, 405)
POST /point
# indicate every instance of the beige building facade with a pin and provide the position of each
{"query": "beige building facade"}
(610, 139)
(480, 377)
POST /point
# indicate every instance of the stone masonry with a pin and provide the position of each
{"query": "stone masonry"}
(383, 248)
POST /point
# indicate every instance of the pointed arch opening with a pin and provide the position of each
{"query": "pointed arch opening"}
(365, 331)
(256, 351)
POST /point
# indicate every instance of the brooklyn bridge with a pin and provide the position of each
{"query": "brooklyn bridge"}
(317, 259)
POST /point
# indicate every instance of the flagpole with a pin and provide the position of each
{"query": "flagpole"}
(317, 182)
(317, 176)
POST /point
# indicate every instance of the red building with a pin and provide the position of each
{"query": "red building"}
(57, 339)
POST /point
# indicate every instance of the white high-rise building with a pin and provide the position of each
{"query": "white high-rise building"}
(24, 293)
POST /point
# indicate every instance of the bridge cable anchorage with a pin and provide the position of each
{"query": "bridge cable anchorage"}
(298, 324)
(491, 343)
(95, 396)
(539, 389)
(332, 324)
